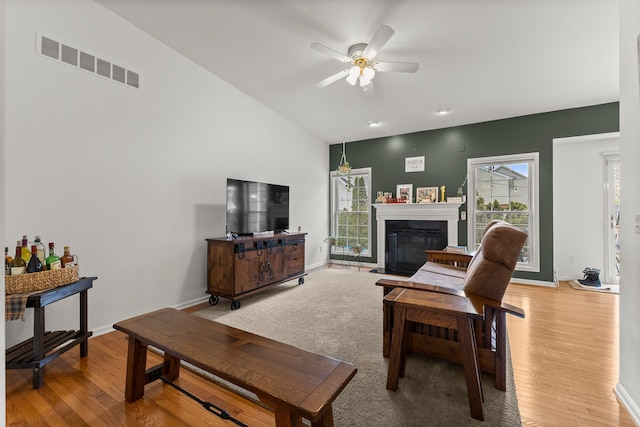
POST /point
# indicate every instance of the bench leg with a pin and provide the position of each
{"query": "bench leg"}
(326, 420)
(136, 366)
(286, 418)
(170, 367)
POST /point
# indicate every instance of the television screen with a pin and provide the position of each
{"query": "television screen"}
(254, 207)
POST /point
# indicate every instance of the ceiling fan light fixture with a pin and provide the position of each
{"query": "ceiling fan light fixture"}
(354, 72)
(366, 76)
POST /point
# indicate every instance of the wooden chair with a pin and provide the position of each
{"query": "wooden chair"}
(484, 284)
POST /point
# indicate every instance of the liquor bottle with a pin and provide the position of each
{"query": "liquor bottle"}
(18, 266)
(35, 265)
(68, 260)
(53, 260)
(25, 252)
(40, 251)
(7, 261)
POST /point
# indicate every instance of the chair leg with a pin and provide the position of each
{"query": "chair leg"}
(471, 367)
(398, 350)
(501, 350)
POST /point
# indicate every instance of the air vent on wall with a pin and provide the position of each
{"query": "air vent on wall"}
(58, 51)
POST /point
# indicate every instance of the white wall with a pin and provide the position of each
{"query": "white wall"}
(2, 239)
(135, 181)
(578, 203)
(628, 388)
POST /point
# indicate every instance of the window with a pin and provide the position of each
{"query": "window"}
(506, 188)
(351, 211)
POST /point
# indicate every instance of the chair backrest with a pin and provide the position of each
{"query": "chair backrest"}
(490, 271)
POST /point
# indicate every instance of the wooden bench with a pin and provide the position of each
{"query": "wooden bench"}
(295, 383)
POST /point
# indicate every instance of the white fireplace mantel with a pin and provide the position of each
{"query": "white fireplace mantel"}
(419, 212)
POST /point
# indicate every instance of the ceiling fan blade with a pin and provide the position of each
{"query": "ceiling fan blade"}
(330, 52)
(399, 67)
(379, 39)
(332, 79)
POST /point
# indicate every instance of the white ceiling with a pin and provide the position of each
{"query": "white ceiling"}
(483, 60)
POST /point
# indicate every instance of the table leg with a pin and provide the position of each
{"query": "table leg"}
(38, 346)
(387, 324)
(84, 322)
(471, 366)
(136, 367)
(397, 352)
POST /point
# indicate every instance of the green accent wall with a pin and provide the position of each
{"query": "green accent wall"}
(446, 152)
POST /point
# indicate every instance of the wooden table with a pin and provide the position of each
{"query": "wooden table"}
(295, 383)
(442, 310)
(36, 352)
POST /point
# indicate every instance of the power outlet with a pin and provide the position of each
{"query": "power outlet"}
(463, 216)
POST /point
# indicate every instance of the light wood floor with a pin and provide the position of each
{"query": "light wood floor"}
(565, 358)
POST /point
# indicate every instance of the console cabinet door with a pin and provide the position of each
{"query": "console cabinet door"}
(248, 269)
(273, 265)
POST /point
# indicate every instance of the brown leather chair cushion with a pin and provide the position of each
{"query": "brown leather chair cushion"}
(493, 264)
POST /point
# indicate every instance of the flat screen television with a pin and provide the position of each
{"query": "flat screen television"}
(254, 207)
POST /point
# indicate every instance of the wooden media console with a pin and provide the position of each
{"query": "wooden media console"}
(239, 267)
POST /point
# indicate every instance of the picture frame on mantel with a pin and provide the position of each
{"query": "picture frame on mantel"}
(426, 194)
(405, 191)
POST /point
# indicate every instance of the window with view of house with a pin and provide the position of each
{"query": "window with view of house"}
(505, 188)
(351, 211)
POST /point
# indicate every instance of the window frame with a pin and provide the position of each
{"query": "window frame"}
(533, 159)
(335, 250)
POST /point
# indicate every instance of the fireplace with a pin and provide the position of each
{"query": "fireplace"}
(429, 212)
(406, 241)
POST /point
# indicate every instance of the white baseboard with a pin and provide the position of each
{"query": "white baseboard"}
(628, 403)
(533, 282)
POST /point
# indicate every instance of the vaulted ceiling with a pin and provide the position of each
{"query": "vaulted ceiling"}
(482, 60)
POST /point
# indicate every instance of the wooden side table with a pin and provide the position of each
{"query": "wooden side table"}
(34, 353)
(448, 311)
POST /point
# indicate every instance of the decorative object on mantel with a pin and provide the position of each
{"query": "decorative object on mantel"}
(427, 195)
(456, 199)
(442, 189)
(460, 193)
(405, 191)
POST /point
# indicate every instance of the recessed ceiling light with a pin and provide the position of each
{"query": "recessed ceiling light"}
(373, 124)
(443, 111)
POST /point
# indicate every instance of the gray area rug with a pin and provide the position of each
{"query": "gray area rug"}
(337, 312)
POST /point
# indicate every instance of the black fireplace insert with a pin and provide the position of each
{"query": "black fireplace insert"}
(406, 241)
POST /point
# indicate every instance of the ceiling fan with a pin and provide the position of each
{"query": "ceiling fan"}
(361, 56)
